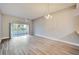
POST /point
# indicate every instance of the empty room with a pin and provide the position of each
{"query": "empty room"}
(39, 29)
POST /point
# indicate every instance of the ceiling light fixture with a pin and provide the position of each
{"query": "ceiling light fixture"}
(48, 10)
(48, 16)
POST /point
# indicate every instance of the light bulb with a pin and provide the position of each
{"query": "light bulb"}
(48, 16)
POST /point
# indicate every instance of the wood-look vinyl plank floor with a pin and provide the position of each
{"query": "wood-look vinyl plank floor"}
(33, 45)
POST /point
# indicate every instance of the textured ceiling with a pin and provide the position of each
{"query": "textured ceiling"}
(31, 10)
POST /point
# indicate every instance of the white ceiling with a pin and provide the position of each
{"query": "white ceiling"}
(31, 10)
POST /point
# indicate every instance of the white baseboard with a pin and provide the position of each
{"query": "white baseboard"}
(72, 43)
(3, 38)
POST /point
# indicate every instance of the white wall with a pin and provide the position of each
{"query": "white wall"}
(0, 27)
(77, 5)
(77, 23)
(11, 19)
(60, 25)
(77, 18)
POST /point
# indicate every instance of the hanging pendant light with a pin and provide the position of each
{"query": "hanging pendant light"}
(48, 16)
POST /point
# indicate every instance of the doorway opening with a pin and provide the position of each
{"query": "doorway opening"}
(18, 30)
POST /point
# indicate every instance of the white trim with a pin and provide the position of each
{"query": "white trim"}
(72, 43)
(3, 38)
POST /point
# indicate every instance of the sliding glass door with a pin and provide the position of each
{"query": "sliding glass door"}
(19, 30)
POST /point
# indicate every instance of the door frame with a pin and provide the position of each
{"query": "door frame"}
(17, 23)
